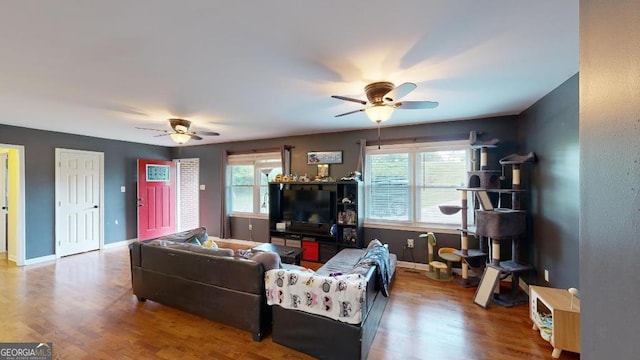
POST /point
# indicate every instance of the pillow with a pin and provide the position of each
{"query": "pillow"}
(202, 236)
(245, 253)
(268, 259)
(210, 244)
(171, 244)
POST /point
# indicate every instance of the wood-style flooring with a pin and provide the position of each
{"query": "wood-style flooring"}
(83, 304)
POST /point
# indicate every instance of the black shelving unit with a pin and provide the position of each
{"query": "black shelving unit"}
(320, 242)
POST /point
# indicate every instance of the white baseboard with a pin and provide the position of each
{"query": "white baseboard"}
(40, 260)
(425, 267)
(412, 265)
(118, 244)
(422, 266)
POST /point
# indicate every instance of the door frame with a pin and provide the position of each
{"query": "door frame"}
(4, 192)
(58, 218)
(18, 209)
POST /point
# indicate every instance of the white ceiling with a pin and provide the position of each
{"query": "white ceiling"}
(262, 69)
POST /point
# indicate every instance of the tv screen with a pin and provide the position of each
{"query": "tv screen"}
(307, 206)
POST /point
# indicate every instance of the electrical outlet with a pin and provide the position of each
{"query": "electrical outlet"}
(250, 227)
(410, 243)
(546, 275)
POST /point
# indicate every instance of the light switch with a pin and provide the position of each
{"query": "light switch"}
(202, 187)
(122, 189)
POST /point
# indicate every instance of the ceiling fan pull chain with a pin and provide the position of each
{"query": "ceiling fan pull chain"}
(378, 135)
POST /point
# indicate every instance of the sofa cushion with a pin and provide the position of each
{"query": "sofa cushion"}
(200, 233)
(171, 244)
(213, 251)
(193, 240)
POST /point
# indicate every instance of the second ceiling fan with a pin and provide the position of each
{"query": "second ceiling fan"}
(383, 98)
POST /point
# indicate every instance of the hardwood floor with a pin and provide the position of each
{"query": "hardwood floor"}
(83, 304)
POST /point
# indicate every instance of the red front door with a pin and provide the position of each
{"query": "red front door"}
(156, 198)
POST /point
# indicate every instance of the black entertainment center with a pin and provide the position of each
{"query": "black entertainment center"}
(320, 217)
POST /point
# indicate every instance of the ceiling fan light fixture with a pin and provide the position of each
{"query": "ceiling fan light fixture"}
(379, 113)
(181, 128)
(179, 138)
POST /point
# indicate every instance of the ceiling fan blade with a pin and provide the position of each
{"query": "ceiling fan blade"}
(141, 128)
(208, 133)
(346, 98)
(195, 137)
(165, 134)
(416, 105)
(349, 113)
(399, 92)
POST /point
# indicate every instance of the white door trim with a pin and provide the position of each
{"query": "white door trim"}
(58, 191)
(18, 209)
(4, 176)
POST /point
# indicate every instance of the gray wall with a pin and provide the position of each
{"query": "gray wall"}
(609, 173)
(120, 170)
(550, 129)
(505, 128)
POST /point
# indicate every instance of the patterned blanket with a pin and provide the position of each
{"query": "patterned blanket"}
(337, 297)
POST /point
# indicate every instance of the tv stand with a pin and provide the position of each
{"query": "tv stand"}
(319, 242)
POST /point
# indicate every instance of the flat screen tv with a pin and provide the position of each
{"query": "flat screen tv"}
(307, 207)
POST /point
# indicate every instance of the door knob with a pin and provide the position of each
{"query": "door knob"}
(4, 208)
(95, 206)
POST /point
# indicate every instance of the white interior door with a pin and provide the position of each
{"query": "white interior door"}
(4, 169)
(79, 201)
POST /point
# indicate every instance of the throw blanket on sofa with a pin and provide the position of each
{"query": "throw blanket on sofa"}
(337, 297)
(378, 255)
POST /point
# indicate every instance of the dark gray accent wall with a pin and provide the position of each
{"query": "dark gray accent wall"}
(119, 170)
(609, 178)
(550, 129)
(504, 128)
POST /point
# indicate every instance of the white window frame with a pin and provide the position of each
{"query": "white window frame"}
(413, 149)
(258, 161)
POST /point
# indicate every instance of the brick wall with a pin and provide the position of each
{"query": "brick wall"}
(188, 198)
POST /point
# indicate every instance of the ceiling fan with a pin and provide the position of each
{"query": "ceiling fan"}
(181, 133)
(383, 98)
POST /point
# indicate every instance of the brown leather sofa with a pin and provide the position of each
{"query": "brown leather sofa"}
(326, 338)
(226, 289)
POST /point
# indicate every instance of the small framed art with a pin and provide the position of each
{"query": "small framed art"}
(323, 170)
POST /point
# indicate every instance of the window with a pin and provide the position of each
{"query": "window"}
(248, 180)
(405, 184)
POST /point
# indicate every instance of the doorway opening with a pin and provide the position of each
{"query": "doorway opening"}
(12, 193)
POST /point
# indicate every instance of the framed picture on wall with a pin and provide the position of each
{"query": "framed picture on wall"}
(324, 157)
(323, 170)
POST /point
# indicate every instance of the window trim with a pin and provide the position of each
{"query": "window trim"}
(258, 161)
(413, 149)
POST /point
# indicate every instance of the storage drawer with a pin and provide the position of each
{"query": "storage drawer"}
(293, 243)
(310, 251)
(277, 241)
